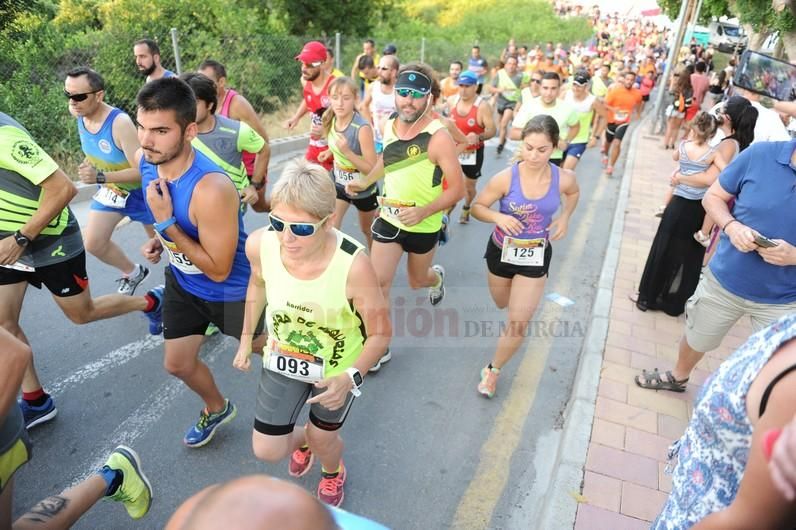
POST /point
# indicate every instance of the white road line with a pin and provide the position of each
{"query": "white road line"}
(147, 414)
(105, 364)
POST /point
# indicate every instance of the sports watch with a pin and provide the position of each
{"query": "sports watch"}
(23, 241)
(356, 378)
(258, 185)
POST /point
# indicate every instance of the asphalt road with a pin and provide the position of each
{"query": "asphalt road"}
(423, 449)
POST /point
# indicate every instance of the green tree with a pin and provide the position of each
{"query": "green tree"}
(302, 17)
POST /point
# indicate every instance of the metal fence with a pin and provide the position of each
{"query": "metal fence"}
(263, 69)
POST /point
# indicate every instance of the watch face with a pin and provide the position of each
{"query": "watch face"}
(22, 241)
(357, 378)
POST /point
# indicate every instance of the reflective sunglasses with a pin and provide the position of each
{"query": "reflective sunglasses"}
(298, 229)
(316, 64)
(406, 92)
(80, 97)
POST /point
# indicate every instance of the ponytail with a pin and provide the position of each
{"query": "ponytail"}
(745, 128)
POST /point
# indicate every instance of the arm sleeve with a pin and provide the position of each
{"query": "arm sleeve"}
(20, 154)
(732, 178)
(249, 140)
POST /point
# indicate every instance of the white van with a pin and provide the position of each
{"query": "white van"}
(727, 36)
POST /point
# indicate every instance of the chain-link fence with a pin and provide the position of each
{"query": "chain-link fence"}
(263, 69)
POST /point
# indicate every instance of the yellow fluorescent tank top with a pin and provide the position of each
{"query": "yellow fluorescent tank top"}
(313, 316)
(410, 177)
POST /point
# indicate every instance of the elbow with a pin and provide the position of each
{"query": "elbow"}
(218, 277)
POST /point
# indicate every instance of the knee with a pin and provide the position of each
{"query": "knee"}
(268, 450)
(94, 245)
(180, 368)
(79, 316)
(415, 282)
(502, 304)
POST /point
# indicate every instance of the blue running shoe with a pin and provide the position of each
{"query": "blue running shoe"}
(38, 415)
(445, 232)
(201, 433)
(156, 315)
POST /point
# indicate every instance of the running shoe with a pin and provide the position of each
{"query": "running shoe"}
(135, 491)
(38, 415)
(330, 488)
(436, 294)
(384, 358)
(500, 148)
(300, 462)
(211, 330)
(488, 384)
(609, 171)
(604, 159)
(445, 232)
(156, 315)
(201, 433)
(127, 284)
(464, 217)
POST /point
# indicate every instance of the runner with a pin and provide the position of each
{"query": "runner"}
(622, 102)
(224, 140)
(315, 79)
(360, 67)
(200, 226)
(327, 325)
(329, 64)
(350, 140)
(416, 156)
(548, 103)
(379, 103)
(449, 85)
(478, 66)
(120, 479)
(473, 117)
(109, 142)
(506, 86)
(588, 108)
(518, 253)
(232, 104)
(147, 59)
(40, 244)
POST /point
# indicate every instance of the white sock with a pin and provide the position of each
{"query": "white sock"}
(136, 271)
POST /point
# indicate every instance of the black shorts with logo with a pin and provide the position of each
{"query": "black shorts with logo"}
(64, 279)
(412, 242)
(616, 131)
(473, 172)
(365, 204)
(509, 270)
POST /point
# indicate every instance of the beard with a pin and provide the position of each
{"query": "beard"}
(413, 117)
(157, 158)
(147, 71)
(313, 77)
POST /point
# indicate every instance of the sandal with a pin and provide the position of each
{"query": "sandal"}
(653, 381)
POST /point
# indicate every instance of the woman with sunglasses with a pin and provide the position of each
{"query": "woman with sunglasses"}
(518, 252)
(327, 325)
(350, 139)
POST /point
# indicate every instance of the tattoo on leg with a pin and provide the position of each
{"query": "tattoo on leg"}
(47, 509)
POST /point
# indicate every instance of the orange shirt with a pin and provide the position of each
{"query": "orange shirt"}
(448, 87)
(624, 101)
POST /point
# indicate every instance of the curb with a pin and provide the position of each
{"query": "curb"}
(279, 147)
(560, 504)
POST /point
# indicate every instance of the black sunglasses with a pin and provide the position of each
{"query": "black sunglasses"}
(80, 97)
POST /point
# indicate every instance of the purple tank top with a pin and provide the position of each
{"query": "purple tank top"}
(535, 214)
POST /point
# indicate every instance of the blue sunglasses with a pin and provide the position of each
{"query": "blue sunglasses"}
(298, 229)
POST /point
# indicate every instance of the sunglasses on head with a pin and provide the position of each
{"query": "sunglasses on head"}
(298, 229)
(406, 92)
(79, 97)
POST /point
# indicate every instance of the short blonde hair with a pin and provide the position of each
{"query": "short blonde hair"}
(306, 186)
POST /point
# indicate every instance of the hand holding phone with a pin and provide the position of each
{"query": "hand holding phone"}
(763, 241)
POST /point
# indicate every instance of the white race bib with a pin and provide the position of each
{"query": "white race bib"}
(391, 208)
(177, 259)
(112, 197)
(343, 177)
(620, 115)
(288, 361)
(523, 252)
(19, 266)
(467, 158)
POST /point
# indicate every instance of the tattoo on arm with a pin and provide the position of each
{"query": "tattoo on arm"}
(46, 509)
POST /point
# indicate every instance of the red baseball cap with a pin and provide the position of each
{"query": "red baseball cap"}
(312, 52)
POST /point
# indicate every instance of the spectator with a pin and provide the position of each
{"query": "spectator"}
(699, 83)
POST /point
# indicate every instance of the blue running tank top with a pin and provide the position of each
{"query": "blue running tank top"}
(190, 277)
(101, 150)
(534, 214)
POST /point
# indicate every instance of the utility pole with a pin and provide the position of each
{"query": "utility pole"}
(682, 19)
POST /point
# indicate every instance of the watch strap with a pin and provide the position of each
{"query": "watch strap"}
(258, 185)
(101, 178)
(163, 225)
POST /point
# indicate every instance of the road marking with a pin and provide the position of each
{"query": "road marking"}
(491, 476)
(147, 414)
(105, 364)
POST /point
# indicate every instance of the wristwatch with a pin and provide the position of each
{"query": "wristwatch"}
(23, 241)
(356, 378)
(101, 179)
(258, 185)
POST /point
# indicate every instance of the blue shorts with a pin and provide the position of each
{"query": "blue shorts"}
(135, 209)
(575, 150)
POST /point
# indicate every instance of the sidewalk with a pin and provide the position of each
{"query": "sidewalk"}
(624, 484)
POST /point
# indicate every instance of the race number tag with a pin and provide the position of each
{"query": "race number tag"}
(467, 158)
(620, 115)
(19, 266)
(391, 208)
(523, 252)
(177, 259)
(343, 177)
(112, 197)
(289, 361)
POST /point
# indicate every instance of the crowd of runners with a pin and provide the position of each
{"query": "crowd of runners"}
(396, 142)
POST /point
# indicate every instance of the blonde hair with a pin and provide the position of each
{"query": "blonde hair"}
(305, 186)
(334, 86)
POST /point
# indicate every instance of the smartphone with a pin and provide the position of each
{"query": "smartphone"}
(766, 75)
(763, 241)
